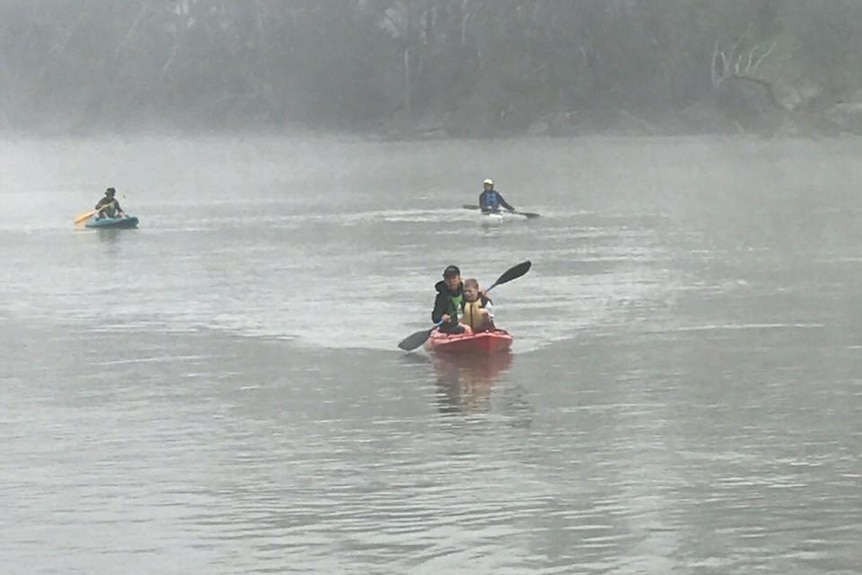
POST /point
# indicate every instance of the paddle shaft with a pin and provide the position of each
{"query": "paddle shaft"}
(528, 215)
(80, 219)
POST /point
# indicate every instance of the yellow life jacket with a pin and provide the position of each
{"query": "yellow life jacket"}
(472, 315)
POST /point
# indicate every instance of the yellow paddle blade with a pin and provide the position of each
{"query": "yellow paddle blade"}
(80, 219)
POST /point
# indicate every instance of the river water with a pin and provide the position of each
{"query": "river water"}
(220, 390)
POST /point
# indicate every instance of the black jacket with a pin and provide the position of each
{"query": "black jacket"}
(443, 302)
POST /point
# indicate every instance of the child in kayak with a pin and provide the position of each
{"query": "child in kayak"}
(447, 303)
(477, 309)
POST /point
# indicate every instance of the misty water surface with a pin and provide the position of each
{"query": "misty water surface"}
(219, 391)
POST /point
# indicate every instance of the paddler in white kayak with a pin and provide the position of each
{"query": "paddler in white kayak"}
(490, 200)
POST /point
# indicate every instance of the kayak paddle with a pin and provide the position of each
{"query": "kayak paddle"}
(80, 219)
(512, 273)
(528, 215)
(413, 341)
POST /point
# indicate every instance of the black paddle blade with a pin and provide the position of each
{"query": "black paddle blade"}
(512, 274)
(415, 340)
(528, 215)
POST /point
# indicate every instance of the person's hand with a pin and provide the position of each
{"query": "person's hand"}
(445, 318)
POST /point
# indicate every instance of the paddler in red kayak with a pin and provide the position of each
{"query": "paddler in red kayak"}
(477, 309)
(447, 304)
(457, 300)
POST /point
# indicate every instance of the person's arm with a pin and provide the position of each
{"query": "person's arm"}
(100, 204)
(482, 201)
(489, 307)
(441, 306)
(118, 208)
(504, 203)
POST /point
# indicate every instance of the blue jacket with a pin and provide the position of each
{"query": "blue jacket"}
(492, 200)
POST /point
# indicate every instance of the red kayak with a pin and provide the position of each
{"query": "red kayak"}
(481, 343)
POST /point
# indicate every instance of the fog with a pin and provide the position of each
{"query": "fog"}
(220, 390)
(432, 67)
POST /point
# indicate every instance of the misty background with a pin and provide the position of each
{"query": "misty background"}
(220, 390)
(433, 67)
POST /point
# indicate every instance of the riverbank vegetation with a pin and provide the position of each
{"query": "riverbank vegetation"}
(434, 67)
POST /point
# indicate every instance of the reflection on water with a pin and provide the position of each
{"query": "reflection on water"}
(107, 235)
(111, 236)
(464, 383)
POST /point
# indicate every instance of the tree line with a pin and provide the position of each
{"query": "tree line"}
(471, 66)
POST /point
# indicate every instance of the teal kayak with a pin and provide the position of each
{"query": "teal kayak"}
(112, 223)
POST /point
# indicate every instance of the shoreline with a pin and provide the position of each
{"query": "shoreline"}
(825, 124)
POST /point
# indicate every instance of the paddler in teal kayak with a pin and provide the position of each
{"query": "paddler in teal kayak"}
(108, 206)
(490, 200)
(447, 304)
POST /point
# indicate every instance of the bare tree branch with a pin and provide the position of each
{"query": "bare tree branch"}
(729, 66)
(131, 30)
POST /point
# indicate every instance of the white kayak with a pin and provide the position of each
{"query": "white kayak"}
(491, 218)
(494, 218)
(497, 218)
